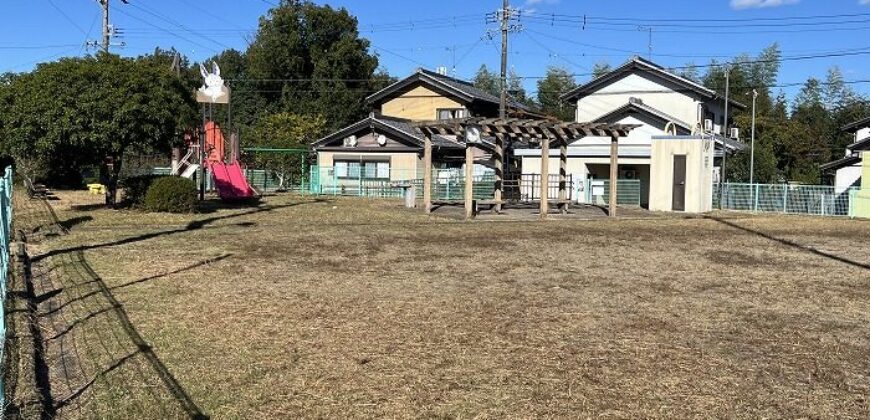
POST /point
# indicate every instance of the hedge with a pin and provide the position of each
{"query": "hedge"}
(171, 194)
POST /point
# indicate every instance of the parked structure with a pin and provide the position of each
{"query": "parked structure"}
(663, 104)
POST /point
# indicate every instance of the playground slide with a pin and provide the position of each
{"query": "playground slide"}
(230, 182)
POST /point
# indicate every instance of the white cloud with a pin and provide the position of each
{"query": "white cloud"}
(755, 4)
(529, 7)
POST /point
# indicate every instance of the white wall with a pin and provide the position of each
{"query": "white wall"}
(847, 177)
(653, 94)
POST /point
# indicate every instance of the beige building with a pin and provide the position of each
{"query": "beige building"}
(386, 147)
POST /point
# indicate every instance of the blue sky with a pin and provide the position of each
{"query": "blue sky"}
(452, 33)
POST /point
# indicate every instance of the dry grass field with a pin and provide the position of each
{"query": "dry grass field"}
(350, 308)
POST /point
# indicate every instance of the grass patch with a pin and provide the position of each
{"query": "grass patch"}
(356, 308)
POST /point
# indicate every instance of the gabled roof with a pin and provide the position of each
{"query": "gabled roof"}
(461, 89)
(842, 163)
(401, 129)
(860, 146)
(637, 64)
(637, 106)
(857, 125)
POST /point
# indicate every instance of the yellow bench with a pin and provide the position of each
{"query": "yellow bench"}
(97, 189)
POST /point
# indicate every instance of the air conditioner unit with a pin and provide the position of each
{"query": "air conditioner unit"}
(628, 174)
(735, 133)
(717, 129)
(708, 126)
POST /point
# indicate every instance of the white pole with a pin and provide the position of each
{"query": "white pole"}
(752, 153)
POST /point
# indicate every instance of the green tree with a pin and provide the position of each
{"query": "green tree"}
(487, 81)
(600, 69)
(85, 111)
(558, 82)
(284, 131)
(516, 90)
(311, 60)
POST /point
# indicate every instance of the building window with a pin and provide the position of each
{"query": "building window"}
(452, 113)
(376, 170)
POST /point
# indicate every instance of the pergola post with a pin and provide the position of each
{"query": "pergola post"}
(499, 171)
(545, 176)
(563, 176)
(469, 181)
(614, 173)
(427, 171)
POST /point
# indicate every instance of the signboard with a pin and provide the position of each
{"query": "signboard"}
(213, 90)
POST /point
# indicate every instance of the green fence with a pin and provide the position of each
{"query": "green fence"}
(5, 237)
(817, 200)
(447, 184)
(628, 192)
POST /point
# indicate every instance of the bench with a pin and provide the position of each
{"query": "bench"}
(35, 190)
(97, 189)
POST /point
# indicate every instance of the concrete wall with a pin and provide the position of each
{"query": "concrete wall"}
(418, 104)
(654, 94)
(699, 175)
(862, 199)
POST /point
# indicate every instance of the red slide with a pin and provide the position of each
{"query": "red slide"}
(230, 182)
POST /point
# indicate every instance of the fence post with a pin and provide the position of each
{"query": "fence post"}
(756, 191)
(785, 198)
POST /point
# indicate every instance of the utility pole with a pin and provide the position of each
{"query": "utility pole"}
(109, 31)
(725, 136)
(504, 17)
(505, 20)
(752, 148)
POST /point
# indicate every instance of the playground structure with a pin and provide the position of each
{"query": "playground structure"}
(206, 150)
(209, 155)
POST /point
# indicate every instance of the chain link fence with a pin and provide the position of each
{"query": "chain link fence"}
(816, 200)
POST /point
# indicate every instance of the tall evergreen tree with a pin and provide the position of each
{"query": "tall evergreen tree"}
(550, 89)
(486, 80)
(310, 60)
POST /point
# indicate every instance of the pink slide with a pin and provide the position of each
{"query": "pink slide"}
(230, 182)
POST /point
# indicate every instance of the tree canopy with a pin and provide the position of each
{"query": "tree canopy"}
(79, 111)
(557, 82)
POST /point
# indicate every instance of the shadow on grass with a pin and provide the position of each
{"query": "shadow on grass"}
(192, 226)
(792, 244)
(75, 221)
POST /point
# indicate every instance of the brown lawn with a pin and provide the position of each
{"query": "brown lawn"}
(355, 308)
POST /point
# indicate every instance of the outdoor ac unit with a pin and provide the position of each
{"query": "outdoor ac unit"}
(717, 129)
(628, 174)
(708, 126)
(735, 133)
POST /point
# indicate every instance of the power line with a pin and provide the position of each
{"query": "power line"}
(171, 21)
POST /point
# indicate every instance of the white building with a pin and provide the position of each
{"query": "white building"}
(848, 169)
(638, 92)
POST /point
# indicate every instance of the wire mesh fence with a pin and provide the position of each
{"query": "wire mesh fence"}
(817, 200)
(5, 237)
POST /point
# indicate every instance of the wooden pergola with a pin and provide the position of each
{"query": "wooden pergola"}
(547, 133)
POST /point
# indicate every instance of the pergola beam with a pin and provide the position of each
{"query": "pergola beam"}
(507, 130)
